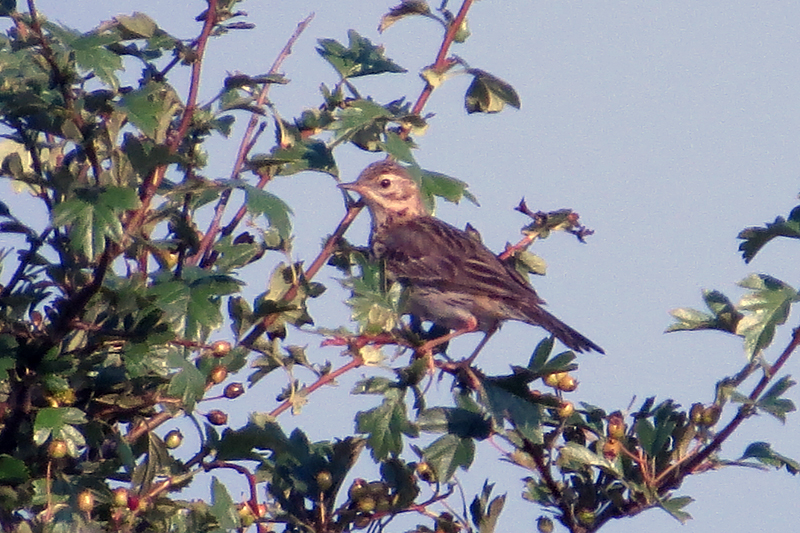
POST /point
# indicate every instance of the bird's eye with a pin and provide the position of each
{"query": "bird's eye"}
(385, 182)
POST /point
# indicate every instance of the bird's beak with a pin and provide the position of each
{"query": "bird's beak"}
(354, 186)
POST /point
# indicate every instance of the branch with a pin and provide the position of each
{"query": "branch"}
(441, 63)
(251, 480)
(24, 262)
(536, 453)
(321, 259)
(65, 90)
(248, 140)
(745, 411)
(148, 425)
(154, 179)
(355, 362)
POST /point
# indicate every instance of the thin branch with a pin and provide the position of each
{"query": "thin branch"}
(251, 480)
(355, 362)
(558, 496)
(244, 149)
(148, 425)
(154, 179)
(65, 90)
(441, 63)
(745, 412)
(322, 258)
(25, 261)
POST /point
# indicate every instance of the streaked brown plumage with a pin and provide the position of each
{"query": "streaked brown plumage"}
(451, 278)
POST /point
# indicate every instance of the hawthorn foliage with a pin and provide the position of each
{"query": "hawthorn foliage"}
(108, 307)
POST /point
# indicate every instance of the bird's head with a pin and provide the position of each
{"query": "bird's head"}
(388, 190)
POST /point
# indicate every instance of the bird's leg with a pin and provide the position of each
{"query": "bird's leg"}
(479, 347)
(469, 327)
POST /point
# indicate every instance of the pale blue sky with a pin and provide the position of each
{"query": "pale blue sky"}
(669, 126)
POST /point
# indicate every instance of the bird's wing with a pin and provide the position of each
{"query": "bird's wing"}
(427, 251)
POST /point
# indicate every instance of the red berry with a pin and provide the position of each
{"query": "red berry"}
(217, 417)
(220, 348)
(233, 390)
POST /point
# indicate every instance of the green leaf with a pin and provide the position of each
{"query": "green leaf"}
(772, 403)
(360, 58)
(151, 109)
(573, 456)
(241, 315)
(766, 306)
(273, 302)
(373, 385)
(192, 304)
(509, 400)
(526, 262)
(188, 384)
(98, 59)
(233, 256)
(455, 421)
(357, 116)
(447, 453)
(489, 94)
(398, 147)
(540, 354)
(90, 51)
(223, 507)
(674, 507)
(260, 202)
(303, 154)
(12, 470)
(385, 426)
(400, 476)
(406, 8)
(437, 184)
(260, 433)
(488, 522)
(137, 26)
(646, 433)
(725, 317)
(56, 421)
(755, 237)
(94, 215)
(763, 453)
(374, 308)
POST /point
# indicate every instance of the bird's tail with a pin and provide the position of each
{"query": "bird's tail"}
(571, 338)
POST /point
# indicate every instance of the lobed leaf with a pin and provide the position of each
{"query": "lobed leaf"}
(767, 306)
(385, 426)
(359, 58)
(447, 453)
(756, 238)
(763, 453)
(405, 8)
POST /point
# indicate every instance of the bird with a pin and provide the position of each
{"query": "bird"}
(449, 277)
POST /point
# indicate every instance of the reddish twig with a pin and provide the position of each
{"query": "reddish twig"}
(251, 480)
(146, 426)
(321, 259)
(355, 362)
(745, 412)
(441, 63)
(156, 176)
(244, 148)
